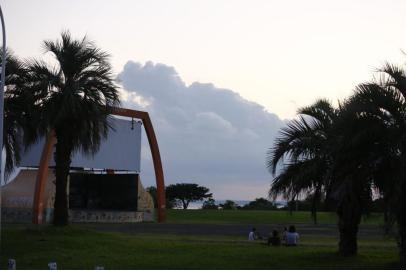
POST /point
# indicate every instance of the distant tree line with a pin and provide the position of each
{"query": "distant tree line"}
(257, 204)
(182, 194)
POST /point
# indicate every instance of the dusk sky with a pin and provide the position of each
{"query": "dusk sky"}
(220, 77)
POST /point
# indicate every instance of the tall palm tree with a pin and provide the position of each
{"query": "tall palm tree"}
(384, 101)
(316, 164)
(305, 145)
(75, 96)
(352, 182)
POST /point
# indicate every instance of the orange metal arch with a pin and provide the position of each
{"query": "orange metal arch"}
(38, 204)
(42, 175)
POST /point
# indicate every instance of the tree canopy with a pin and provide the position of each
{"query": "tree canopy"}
(345, 154)
(210, 204)
(21, 116)
(186, 193)
(74, 100)
(229, 205)
(260, 204)
(153, 192)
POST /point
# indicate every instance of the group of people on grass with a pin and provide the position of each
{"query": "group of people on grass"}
(289, 237)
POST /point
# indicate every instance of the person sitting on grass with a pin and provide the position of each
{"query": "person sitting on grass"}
(274, 239)
(292, 237)
(253, 235)
(285, 231)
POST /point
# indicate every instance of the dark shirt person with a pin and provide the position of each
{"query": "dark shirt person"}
(285, 231)
(274, 240)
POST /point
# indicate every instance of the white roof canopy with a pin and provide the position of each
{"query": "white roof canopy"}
(121, 150)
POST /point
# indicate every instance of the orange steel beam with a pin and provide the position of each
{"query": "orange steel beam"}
(38, 205)
(156, 157)
(42, 175)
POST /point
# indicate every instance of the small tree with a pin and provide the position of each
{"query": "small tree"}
(169, 203)
(186, 193)
(152, 191)
(210, 204)
(260, 204)
(229, 205)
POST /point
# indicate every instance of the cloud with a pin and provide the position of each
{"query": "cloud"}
(207, 135)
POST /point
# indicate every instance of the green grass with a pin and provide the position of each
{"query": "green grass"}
(256, 217)
(77, 248)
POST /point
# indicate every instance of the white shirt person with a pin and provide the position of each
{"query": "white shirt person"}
(292, 237)
(252, 236)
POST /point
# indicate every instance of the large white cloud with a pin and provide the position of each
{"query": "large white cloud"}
(207, 135)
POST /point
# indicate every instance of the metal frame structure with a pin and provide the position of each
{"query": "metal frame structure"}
(2, 84)
(38, 204)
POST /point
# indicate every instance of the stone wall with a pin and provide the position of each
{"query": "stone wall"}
(19, 193)
(91, 216)
(145, 203)
(16, 215)
(17, 199)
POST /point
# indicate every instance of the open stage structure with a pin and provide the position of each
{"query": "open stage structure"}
(103, 188)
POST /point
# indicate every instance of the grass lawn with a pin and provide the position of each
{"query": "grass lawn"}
(77, 248)
(256, 217)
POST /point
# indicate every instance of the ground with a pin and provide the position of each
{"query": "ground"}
(177, 245)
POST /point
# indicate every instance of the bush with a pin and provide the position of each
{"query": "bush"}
(260, 204)
(229, 205)
(210, 204)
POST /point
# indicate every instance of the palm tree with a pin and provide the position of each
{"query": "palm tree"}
(314, 146)
(305, 143)
(352, 183)
(19, 112)
(75, 97)
(383, 102)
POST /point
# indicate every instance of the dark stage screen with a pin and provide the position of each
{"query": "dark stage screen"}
(103, 191)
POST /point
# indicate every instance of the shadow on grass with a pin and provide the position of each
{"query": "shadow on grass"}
(333, 260)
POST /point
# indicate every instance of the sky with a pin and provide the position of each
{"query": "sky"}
(220, 77)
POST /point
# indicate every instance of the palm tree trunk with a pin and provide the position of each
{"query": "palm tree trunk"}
(349, 217)
(62, 166)
(402, 244)
(401, 220)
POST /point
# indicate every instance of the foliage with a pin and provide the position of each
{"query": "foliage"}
(382, 104)
(153, 192)
(378, 205)
(347, 153)
(20, 112)
(260, 204)
(75, 96)
(307, 203)
(229, 205)
(317, 159)
(303, 148)
(210, 204)
(186, 193)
